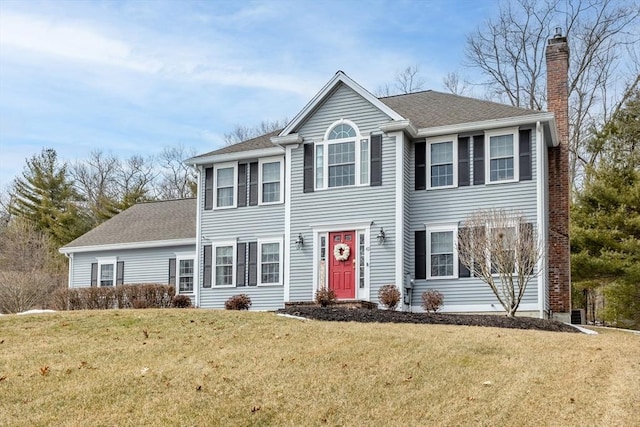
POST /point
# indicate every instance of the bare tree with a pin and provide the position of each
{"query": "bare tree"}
(509, 51)
(408, 80)
(455, 84)
(503, 250)
(29, 271)
(177, 180)
(242, 133)
(95, 180)
(405, 81)
(110, 185)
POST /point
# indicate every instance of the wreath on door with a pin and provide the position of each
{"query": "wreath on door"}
(341, 252)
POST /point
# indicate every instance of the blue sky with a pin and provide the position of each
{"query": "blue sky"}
(132, 77)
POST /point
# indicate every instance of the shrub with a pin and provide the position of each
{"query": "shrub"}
(389, 296)
(238, 302)
(181, 301)
(121, 296)
(325, 297)
(432, 300)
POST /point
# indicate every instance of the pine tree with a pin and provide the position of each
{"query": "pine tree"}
(606, 221)
(45, 197)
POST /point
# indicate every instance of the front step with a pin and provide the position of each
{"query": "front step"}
(340, 303)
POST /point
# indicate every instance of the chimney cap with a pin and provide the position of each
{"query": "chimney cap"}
(558, 33)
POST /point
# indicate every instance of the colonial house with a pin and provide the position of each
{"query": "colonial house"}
(356, 192)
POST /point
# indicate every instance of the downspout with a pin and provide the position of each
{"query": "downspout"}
(541, 213)
(198, 236)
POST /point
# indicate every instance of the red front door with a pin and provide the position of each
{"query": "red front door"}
(342, 271)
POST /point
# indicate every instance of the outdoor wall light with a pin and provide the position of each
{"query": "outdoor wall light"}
(381, 236)
(299, 241)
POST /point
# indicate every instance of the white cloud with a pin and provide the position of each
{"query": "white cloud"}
(68, 41)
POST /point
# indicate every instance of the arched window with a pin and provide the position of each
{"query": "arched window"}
(342, 159)
(342, 131)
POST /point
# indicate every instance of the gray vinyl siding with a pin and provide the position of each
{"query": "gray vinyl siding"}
(242, 224)
(364, 204)
(451, 206)
(149, 265)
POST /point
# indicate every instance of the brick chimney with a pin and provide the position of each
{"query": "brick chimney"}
(557, 56)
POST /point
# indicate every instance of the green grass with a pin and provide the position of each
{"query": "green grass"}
(200, 367)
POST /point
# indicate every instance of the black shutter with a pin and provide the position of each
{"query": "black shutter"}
(208, 188)
(421, 165)
(253, 263)
(253, 184)
(172, 271)
(206, 276)
(308, 168)
(94, 274)
(463, 271)
(120, 273)
(241, 262)
(242, 185)
(463, 162)
(421, 254)
(478, 160)
(525, 154)
(376, 160)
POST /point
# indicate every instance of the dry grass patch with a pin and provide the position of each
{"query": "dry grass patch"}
(199, 367)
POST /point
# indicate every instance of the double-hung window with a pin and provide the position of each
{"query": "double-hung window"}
(502, 155)
(442, 257)
(107, 274)
(502, 255)
(224, 264)
(185, 276)
(225, 178)
(270, 261)
(342, 159)
(271, 180)
(442, 155)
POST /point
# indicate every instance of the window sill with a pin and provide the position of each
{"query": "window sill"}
(504, 181)
(222, 208)
(271, 203)
(441, 278)
(269, 285)
(444, 187)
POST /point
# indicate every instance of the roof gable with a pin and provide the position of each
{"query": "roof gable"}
(339, 78)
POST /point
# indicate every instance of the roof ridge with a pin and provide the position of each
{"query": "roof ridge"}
(405, 94)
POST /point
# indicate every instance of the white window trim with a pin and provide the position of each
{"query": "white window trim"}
(437, 140)
(357, 140)
(106, 261)
(516, 153)
(185, 257)
(262, 161)
(431, 228)
(280, 242)
(214, 275)
(227, 165)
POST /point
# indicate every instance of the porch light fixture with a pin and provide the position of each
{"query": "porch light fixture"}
(299, 241)
(381, 236)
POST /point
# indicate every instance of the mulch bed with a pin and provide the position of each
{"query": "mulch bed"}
(341, 314)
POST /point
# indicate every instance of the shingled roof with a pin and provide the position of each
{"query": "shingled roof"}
(431, 109)
(144, 222)
(424, 109)
(257, 143)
